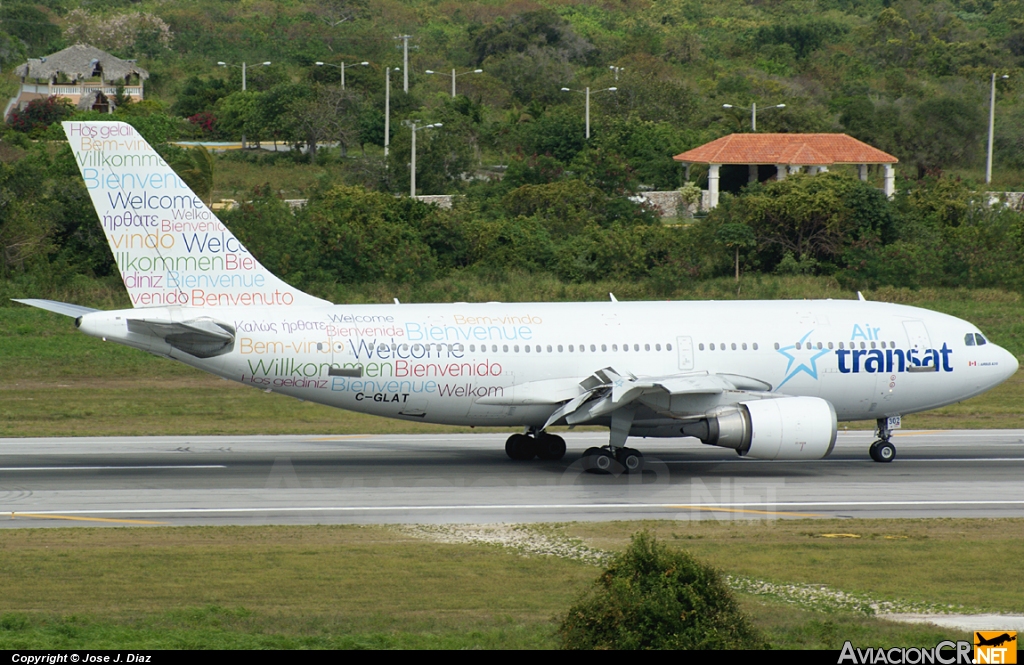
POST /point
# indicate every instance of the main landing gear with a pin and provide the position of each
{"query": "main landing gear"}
(882, 450)
(524, 447)
(607, 460)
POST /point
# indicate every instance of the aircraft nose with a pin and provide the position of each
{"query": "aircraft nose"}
(1011, 363)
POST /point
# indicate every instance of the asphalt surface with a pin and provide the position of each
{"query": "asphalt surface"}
(468, 479)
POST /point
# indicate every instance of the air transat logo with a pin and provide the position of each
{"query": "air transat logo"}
(804, 357)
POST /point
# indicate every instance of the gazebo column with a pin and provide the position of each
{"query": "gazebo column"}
(752, 175)
(713, 184)
(889, 181)
(812, 170)
(862, 171)
(822, 169)
(794, 169)
(780, 171)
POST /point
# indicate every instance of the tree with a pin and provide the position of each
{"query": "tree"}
(736, 237)
(652, 597)
(39, 114)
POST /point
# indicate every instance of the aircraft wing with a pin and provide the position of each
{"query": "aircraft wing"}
(607, 391)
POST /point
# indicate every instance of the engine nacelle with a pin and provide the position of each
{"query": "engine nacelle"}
(783, 428)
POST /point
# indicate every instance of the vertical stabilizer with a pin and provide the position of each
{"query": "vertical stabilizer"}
(169, 247)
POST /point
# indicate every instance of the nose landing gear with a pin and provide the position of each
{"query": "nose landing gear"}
(882, 450)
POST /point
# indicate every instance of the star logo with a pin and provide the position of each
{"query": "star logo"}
(804, 359)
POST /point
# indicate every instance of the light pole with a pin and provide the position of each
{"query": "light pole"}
(616, 70)
(405, 61)
(472, 71)
(587, 93)
(991, 127)
(387, 108)
(753, 112)
(243, 65)
(412, 175)
(342, 68)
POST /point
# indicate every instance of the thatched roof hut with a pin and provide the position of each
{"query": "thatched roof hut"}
(80, 62)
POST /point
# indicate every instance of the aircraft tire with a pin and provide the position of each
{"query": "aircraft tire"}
(631, 460)
(882, 451)
(520, 448)
(601, 460)
(550, 447)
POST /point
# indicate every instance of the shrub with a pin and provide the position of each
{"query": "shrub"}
(656, 598)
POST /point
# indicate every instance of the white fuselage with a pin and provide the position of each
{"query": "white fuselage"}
(465, 364)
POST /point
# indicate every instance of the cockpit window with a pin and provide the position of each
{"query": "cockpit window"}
(980, 339)
(969, 339)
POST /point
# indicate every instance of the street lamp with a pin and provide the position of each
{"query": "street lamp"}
(243, 66)
(587, 93)
(342, 68)
(472, 71)
(753, 112)
(616, 70)
(412, 177)
(405, 60)
(387, 108)
(991, 127)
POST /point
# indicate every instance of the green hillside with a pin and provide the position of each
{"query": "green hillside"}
(909, 77)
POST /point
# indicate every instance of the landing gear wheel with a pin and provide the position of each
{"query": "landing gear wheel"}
(631, 460)
(600, 460)
(550, 447)
(882, 451)
(520, 447)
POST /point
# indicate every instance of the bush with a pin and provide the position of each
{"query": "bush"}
(656, 598)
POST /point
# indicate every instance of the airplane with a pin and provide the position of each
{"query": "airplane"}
(768, 379)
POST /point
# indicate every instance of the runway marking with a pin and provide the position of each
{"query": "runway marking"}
(108, 468)
(844, 461)
(748, 505)
(744, 510)
(48, 516)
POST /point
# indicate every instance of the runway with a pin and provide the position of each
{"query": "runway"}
(467, 478)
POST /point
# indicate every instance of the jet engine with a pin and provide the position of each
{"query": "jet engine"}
(783, 428)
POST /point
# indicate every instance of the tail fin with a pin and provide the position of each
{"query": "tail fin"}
(169, 247)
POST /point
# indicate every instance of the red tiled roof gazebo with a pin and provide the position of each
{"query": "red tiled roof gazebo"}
(789, 153)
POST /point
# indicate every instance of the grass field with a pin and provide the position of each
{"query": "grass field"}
(348, 586)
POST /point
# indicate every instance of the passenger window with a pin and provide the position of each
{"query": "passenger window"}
(657, 347)
(798, 346)
(668, 347)
(744, 346)
(571, 349)
(472, 348)
(549, 348)
(593, 348)
(755, 346)
(526, 349)
(819, 345)
(776, 346)
(516, 348)
(712, 346)
(830, 345)
(647, 347)
(699, 346)
(636, 347)
(872, 345)
(604, 347)
(560, 348)
(863, 345)
(734, 346)
(615, 347)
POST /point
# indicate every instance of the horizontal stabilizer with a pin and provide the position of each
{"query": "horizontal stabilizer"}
(65, 308)
(202, 338)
